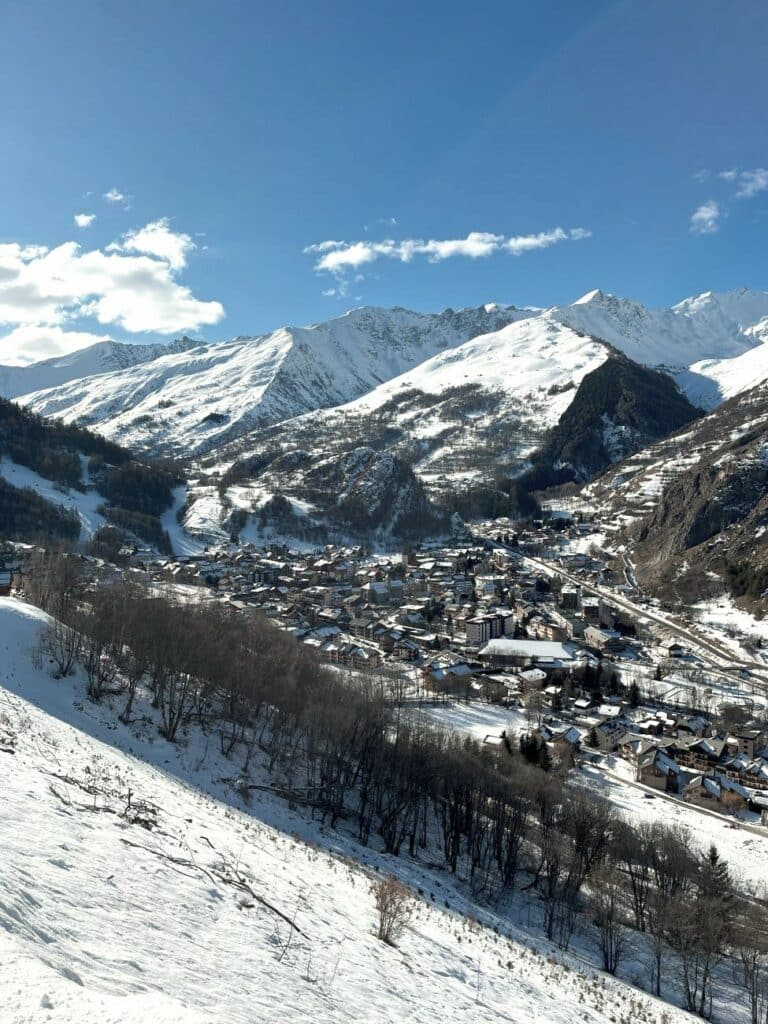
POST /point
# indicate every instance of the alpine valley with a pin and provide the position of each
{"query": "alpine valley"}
(388, 426)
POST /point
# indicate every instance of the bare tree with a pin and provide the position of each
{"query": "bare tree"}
(750, 961)
(609, 917)
(62, 643)
(395, 906)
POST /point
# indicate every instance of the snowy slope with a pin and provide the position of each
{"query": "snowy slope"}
(520, 360)
(103, 357)
(83, 503)
(191, 401)
(709, 326)
(103, 920)
(188, 402)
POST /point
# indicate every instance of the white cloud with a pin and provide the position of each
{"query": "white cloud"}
(157, 239)
(84, 220)
(52, 287)
(729, 175)
(752, 182)
(116, 196)
(31, 343)
(338, 256)
(705, 220)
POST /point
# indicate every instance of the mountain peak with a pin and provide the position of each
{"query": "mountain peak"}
(744, 306)
(596, 295)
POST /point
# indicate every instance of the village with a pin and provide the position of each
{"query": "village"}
(520, 624)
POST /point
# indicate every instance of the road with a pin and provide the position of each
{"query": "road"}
(725, 662)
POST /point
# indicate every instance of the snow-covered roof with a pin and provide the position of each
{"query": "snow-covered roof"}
(506, 647)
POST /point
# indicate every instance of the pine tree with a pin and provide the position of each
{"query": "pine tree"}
(715, 877)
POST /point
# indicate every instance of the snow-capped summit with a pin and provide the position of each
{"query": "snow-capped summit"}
(709, 326)
(596, 295)
(742, 306)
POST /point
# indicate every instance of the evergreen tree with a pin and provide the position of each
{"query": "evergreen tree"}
(714, 877)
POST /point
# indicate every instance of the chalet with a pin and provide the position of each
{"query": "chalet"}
(700, 753)
(691, 725)
(566, 743)
(674, 650)
(609, 734)
(532, 678)
(603, 639)
(412, 614)
(543, 628)
(376, 592)
(657, 770)
(447, 679)
(704, 789)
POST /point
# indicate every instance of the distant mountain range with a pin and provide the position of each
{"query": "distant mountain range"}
(189, 398)
(327, 427)
(190, 401)
(103, 357)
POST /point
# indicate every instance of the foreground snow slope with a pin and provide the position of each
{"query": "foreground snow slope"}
(102, 920)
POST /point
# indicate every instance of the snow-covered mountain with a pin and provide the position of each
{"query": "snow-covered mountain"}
(103, 357)
(188, 402)
(698, 340)
(467, 421)
(465, 399)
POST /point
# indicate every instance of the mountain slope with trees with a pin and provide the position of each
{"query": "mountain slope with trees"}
(74, 463)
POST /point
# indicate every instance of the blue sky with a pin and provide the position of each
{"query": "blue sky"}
(455, 154)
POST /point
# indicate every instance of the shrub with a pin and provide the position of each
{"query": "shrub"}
(395, 906)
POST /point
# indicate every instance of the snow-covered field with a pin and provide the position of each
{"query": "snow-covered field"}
(745, 849)
(722, 616)
(104, 920)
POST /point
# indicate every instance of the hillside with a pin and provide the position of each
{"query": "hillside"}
(692, 506)
(62, 482)
(618, 409)
(138, 886)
